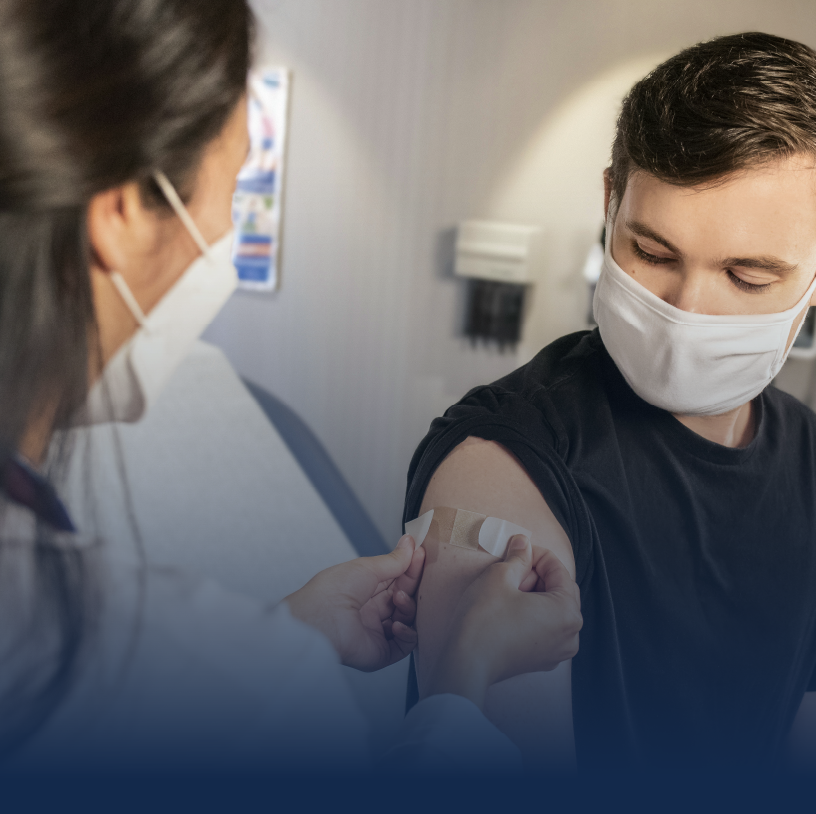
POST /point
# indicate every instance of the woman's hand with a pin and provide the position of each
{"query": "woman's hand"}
(520, 616)
(365, 607)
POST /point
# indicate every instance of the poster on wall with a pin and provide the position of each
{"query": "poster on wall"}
(258, 200)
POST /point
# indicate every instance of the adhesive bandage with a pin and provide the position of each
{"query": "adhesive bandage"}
(465, 529)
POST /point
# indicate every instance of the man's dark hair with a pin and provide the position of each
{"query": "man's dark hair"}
(716, 108)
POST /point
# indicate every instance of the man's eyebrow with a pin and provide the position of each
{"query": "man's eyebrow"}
(764, 262)
(643, 230)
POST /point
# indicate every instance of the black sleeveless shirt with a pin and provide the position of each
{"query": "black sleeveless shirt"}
(696, 562)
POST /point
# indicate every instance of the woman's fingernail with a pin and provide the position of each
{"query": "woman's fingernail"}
(403, 541)
(518, 543)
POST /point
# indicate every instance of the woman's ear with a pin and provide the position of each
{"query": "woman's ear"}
(119, 227)
(121, 232)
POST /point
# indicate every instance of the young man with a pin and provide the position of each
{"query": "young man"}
(651, 455)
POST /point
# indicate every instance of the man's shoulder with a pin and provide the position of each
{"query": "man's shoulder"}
(534, 397)
(563, 363)
(527, 412)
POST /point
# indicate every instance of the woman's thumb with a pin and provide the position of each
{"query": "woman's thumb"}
(395, 564)
(519, 556)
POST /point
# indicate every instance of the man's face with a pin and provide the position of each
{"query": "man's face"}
(743, 246)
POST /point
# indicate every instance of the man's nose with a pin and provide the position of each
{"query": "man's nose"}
(687, 292)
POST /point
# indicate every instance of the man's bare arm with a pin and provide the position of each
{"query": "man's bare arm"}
(534, 710)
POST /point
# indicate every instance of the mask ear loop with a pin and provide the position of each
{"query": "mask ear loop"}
(181, 210)
(130, 301)
(808, 295)
(184, 216)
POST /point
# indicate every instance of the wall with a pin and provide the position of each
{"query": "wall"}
(406, 117)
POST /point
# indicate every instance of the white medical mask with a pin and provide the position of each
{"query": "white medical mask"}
(687, 363)
(135, 375)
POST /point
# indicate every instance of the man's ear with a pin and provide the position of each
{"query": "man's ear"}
(118, 226)
(607, 177)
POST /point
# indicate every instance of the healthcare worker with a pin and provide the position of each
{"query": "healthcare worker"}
(123, 127)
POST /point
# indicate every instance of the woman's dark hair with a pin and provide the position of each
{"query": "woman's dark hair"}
(717, 108)
(93, 94)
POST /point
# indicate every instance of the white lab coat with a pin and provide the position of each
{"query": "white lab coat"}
(216, 493)
(213, 681)
(188, 675)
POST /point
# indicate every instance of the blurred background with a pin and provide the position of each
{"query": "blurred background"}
(407, 117)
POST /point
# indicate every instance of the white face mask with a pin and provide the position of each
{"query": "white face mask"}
(686, 363)
(135, 375)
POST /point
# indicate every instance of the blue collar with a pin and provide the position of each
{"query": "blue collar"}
(24, 485)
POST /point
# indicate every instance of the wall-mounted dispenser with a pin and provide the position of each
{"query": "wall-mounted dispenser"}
(496, 258)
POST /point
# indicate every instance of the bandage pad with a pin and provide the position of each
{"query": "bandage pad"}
(465, 529)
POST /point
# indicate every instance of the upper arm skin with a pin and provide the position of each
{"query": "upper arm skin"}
(802, 739)
(534, 710)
